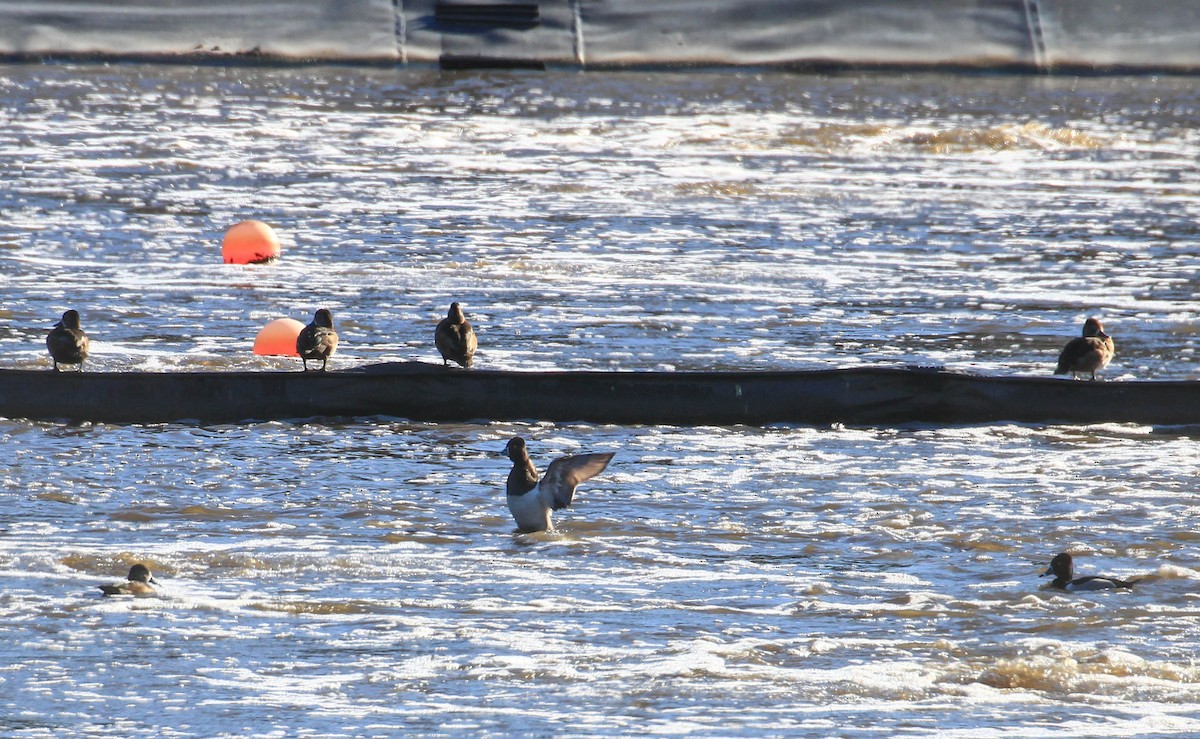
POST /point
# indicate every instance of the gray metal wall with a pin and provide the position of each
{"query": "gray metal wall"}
(1035, 34)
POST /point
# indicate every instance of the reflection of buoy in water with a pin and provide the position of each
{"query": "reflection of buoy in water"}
(278, 338)
(250, 242)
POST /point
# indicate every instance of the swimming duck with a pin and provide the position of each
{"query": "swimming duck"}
(317, 340)
(67, 342)
(455, 338)
(1088, 353)
(1063, 569)
(138, 583)
(531, 500)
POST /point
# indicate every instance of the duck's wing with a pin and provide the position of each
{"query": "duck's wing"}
(132, 587)
(455, 341)
(1071, 354)
(306, 340)
(1098, 582)
(443, 338)
(565, 473)
(326, 340)
(316, 341)
(66, 345)
(470, 343)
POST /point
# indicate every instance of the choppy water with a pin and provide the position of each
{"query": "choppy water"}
(362, 578)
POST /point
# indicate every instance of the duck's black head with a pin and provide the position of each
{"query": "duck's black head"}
(141, 573)
(70, 319)
(515, 449)
(1062, 567)
(323, 318)
(1093, 327)
(455, 314)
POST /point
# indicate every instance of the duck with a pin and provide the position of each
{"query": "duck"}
(139, 583)
(67, 342)
(455, 338)
(317, 340)
(532, 500)
(1063, 569)
(1088, 353)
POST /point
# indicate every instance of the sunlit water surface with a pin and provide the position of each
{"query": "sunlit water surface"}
(361, 577)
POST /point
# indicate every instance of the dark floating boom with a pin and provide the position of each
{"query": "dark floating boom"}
(428, 392)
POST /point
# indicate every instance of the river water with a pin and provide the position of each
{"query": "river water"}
(361, 577)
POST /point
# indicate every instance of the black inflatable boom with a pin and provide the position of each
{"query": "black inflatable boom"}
(427, 392)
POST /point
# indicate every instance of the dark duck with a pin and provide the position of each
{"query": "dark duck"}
(1063, 569)
(455, 338)
(532, 500)
(317, 340)
(1086, 354)
(139, 583)
(67, 342)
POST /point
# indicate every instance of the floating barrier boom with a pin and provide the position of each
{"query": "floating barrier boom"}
(426, 392)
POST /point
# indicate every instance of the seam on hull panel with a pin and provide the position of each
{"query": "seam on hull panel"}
(1037, 39)
(401, 31)
(577, 19)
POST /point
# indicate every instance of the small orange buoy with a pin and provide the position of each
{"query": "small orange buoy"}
(250, 242)
(278, 338)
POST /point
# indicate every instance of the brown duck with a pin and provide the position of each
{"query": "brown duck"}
(139, 583)
(455, 338)
(317, 340)
(67, 342)
(1086, 354)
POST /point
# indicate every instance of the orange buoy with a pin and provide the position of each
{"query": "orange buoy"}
(250, 242)
(278, 338)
